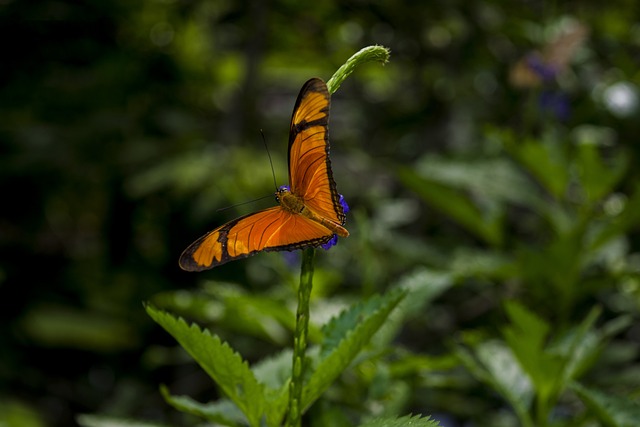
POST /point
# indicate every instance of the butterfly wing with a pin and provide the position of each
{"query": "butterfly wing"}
(272, 229)
(310, 173)
(310, 177)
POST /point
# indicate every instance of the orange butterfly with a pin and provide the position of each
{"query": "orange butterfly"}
(310, 211)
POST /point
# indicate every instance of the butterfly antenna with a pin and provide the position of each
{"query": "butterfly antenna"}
(273, 172)
(243, 203)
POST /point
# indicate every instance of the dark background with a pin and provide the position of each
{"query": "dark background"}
(125, 125)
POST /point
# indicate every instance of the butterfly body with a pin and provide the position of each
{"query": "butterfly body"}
(310, 212)
(295, 205)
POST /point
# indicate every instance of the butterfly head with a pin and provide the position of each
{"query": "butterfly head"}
(282, 190)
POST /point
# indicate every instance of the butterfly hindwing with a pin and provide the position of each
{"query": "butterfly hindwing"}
(310, 173)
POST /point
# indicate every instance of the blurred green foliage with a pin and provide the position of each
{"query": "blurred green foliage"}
(124, 126)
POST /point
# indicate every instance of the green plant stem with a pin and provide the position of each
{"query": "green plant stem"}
(367, 54)
(364, 55)
(300, 338)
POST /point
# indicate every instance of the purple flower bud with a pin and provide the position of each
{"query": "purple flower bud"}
(334, 239)
(330, 243)
(343, 202)
(556, 103)
(545, 71)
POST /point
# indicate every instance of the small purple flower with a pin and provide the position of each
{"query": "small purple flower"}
(330, 243)
(334, 239)
(556, 103)
(343, 202)
(291, 258)
(545, 71)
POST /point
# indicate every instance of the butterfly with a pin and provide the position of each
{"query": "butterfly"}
(310, 212)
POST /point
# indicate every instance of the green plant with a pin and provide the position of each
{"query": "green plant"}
(551, 219)
(254, 396)
(532, 368)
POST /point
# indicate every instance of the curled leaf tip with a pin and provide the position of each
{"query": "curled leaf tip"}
(375, 53)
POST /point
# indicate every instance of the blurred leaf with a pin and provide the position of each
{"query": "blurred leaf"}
(274, 371)
(409, 420)
(495, 365)
(596, 178)
(16, 413)
(621, 221)
(526, 336)
(467, 262)
(422, 285)
(325, 414)
(611, 410)
(452, 202)
(223, 411)
(86, 420)
(58, 326)
(490, 180)
(543, 159)
(579, 347)
(417, 364)
(187, 173)
(555, 266)
(260, 316)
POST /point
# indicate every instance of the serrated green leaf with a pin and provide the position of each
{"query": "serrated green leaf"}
(365, 318)
(339, 326)
(222, 364)
(407, 420)
(612, 411)
(262, 316)
(223, 412)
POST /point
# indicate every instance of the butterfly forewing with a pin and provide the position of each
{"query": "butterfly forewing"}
(310, 173)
